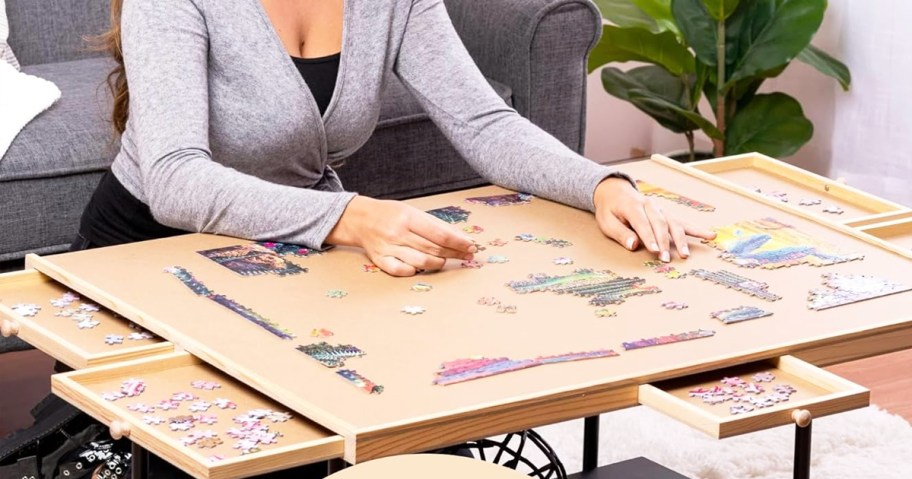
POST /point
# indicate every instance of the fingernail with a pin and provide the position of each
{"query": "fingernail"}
(654, 247)
(473, 249)
(469, 257)
(665, 256)
(686, 250)
(630, 242)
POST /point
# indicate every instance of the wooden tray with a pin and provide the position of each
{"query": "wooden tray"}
(818, 391)
(897, 232)
(754, 171)
(301, 441)
(59, 337)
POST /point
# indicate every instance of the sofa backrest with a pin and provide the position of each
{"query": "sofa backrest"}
(50, 31)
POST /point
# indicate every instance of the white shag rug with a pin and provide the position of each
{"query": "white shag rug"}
(867, 443)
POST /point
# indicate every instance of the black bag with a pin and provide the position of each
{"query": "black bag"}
(51, 447)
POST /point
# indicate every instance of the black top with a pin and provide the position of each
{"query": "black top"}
(114, 216)
(320, 75)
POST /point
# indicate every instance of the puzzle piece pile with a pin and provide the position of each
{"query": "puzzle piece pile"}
(250, 431)
(758, 393)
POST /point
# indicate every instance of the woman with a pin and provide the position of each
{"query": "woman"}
(227, 128)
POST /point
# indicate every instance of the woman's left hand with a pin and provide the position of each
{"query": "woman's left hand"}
(631, 219)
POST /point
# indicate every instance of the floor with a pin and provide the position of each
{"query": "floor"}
(27, 373)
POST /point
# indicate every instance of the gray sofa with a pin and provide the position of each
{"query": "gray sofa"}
(532, 51)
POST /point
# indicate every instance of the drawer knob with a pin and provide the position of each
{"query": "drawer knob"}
(802, 417)
(9, 328)
(120, 429)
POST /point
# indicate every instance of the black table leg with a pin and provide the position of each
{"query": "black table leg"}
(139, 463)
(803, 452)
(590, 443)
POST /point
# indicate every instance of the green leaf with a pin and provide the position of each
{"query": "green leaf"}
(772, 124)
(781, 39)
(635, 44)
(827, 65)
(624, 13)
(721, 9)
(660, 11)
(638, 98)
(699, 29)
(650, 82)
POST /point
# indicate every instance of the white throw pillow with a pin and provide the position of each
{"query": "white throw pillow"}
(6, 53)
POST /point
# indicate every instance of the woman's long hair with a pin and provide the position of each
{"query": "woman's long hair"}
(109, 41)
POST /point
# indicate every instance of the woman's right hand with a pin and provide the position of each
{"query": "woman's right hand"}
(401, 239)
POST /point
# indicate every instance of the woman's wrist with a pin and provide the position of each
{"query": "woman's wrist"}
(345, 233)
(608, 188)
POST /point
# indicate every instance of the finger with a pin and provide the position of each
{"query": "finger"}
(618, 231)
(426, 246)
(679, 236)
(439, 232)
(660, 228)
(636, 217)
(393, 266)
(418, 260)
(702, 233)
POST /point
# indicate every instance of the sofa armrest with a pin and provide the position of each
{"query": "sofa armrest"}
(539, 48)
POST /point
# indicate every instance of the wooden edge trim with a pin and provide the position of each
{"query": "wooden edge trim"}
(820, 377)
(682, 411)
(727, 163)
(860, 221)
(130, 354)
(888, 228)
(459, 428)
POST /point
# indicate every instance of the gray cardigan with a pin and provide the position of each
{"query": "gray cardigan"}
(224, 136)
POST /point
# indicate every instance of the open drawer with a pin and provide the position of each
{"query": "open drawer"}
(766, 394)
(70, 331)
(799, 188)
(195, 417)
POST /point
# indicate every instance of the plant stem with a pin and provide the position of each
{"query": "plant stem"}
(719, 145)
(690, 143)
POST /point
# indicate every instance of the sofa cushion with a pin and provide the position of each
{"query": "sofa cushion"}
(73, 136)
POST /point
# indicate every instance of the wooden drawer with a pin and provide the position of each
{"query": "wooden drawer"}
(752, 171)
(300, 441)
(61, 337)
(897, 232)
(816, 390)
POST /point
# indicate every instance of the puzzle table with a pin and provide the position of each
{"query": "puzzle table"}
(572, 359)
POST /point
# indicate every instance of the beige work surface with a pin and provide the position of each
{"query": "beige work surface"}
(404, 351)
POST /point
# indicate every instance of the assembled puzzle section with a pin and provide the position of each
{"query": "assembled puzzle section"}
(830, 200)
(753, 396)
(550, 314)
(196, 417)
(70, 328)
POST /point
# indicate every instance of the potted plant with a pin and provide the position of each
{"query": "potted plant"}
(723, 50)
